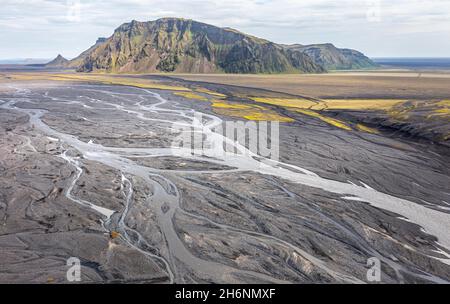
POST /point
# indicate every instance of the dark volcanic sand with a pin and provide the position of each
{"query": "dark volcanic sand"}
(69, 150)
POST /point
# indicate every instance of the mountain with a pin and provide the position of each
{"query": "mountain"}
(180, 45)
(333, 58)
(58, 62)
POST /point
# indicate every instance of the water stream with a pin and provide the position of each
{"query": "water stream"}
(165, 192)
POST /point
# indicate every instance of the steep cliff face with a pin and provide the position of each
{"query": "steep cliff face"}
(333, 58)
(179, 45)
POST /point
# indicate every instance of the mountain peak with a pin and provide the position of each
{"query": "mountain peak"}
(59, 61)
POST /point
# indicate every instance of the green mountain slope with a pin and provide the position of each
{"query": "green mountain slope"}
(180, 45)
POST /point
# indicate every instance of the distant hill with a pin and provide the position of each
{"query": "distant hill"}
(333, 58)
(180, 45)
(58, 62)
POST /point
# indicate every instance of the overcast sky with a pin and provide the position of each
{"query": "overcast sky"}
(386, 28)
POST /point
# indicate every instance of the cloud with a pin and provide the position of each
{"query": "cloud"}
(52, 26)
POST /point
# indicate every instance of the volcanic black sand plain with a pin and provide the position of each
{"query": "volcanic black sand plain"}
(87, 170)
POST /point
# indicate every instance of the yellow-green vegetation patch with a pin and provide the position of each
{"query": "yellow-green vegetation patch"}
(367, 129)
(442, 112)
(27, 77)
(286, 102)
(444, 103)
(334, 122)
(267, 116)
(234, 105)
(155, 86)
(209, 92)
(190, 95)
(358, 104)
(310, 108)
(332, 104)
(127, 81)
(225, 105)
(248, 111)
(104, 79)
